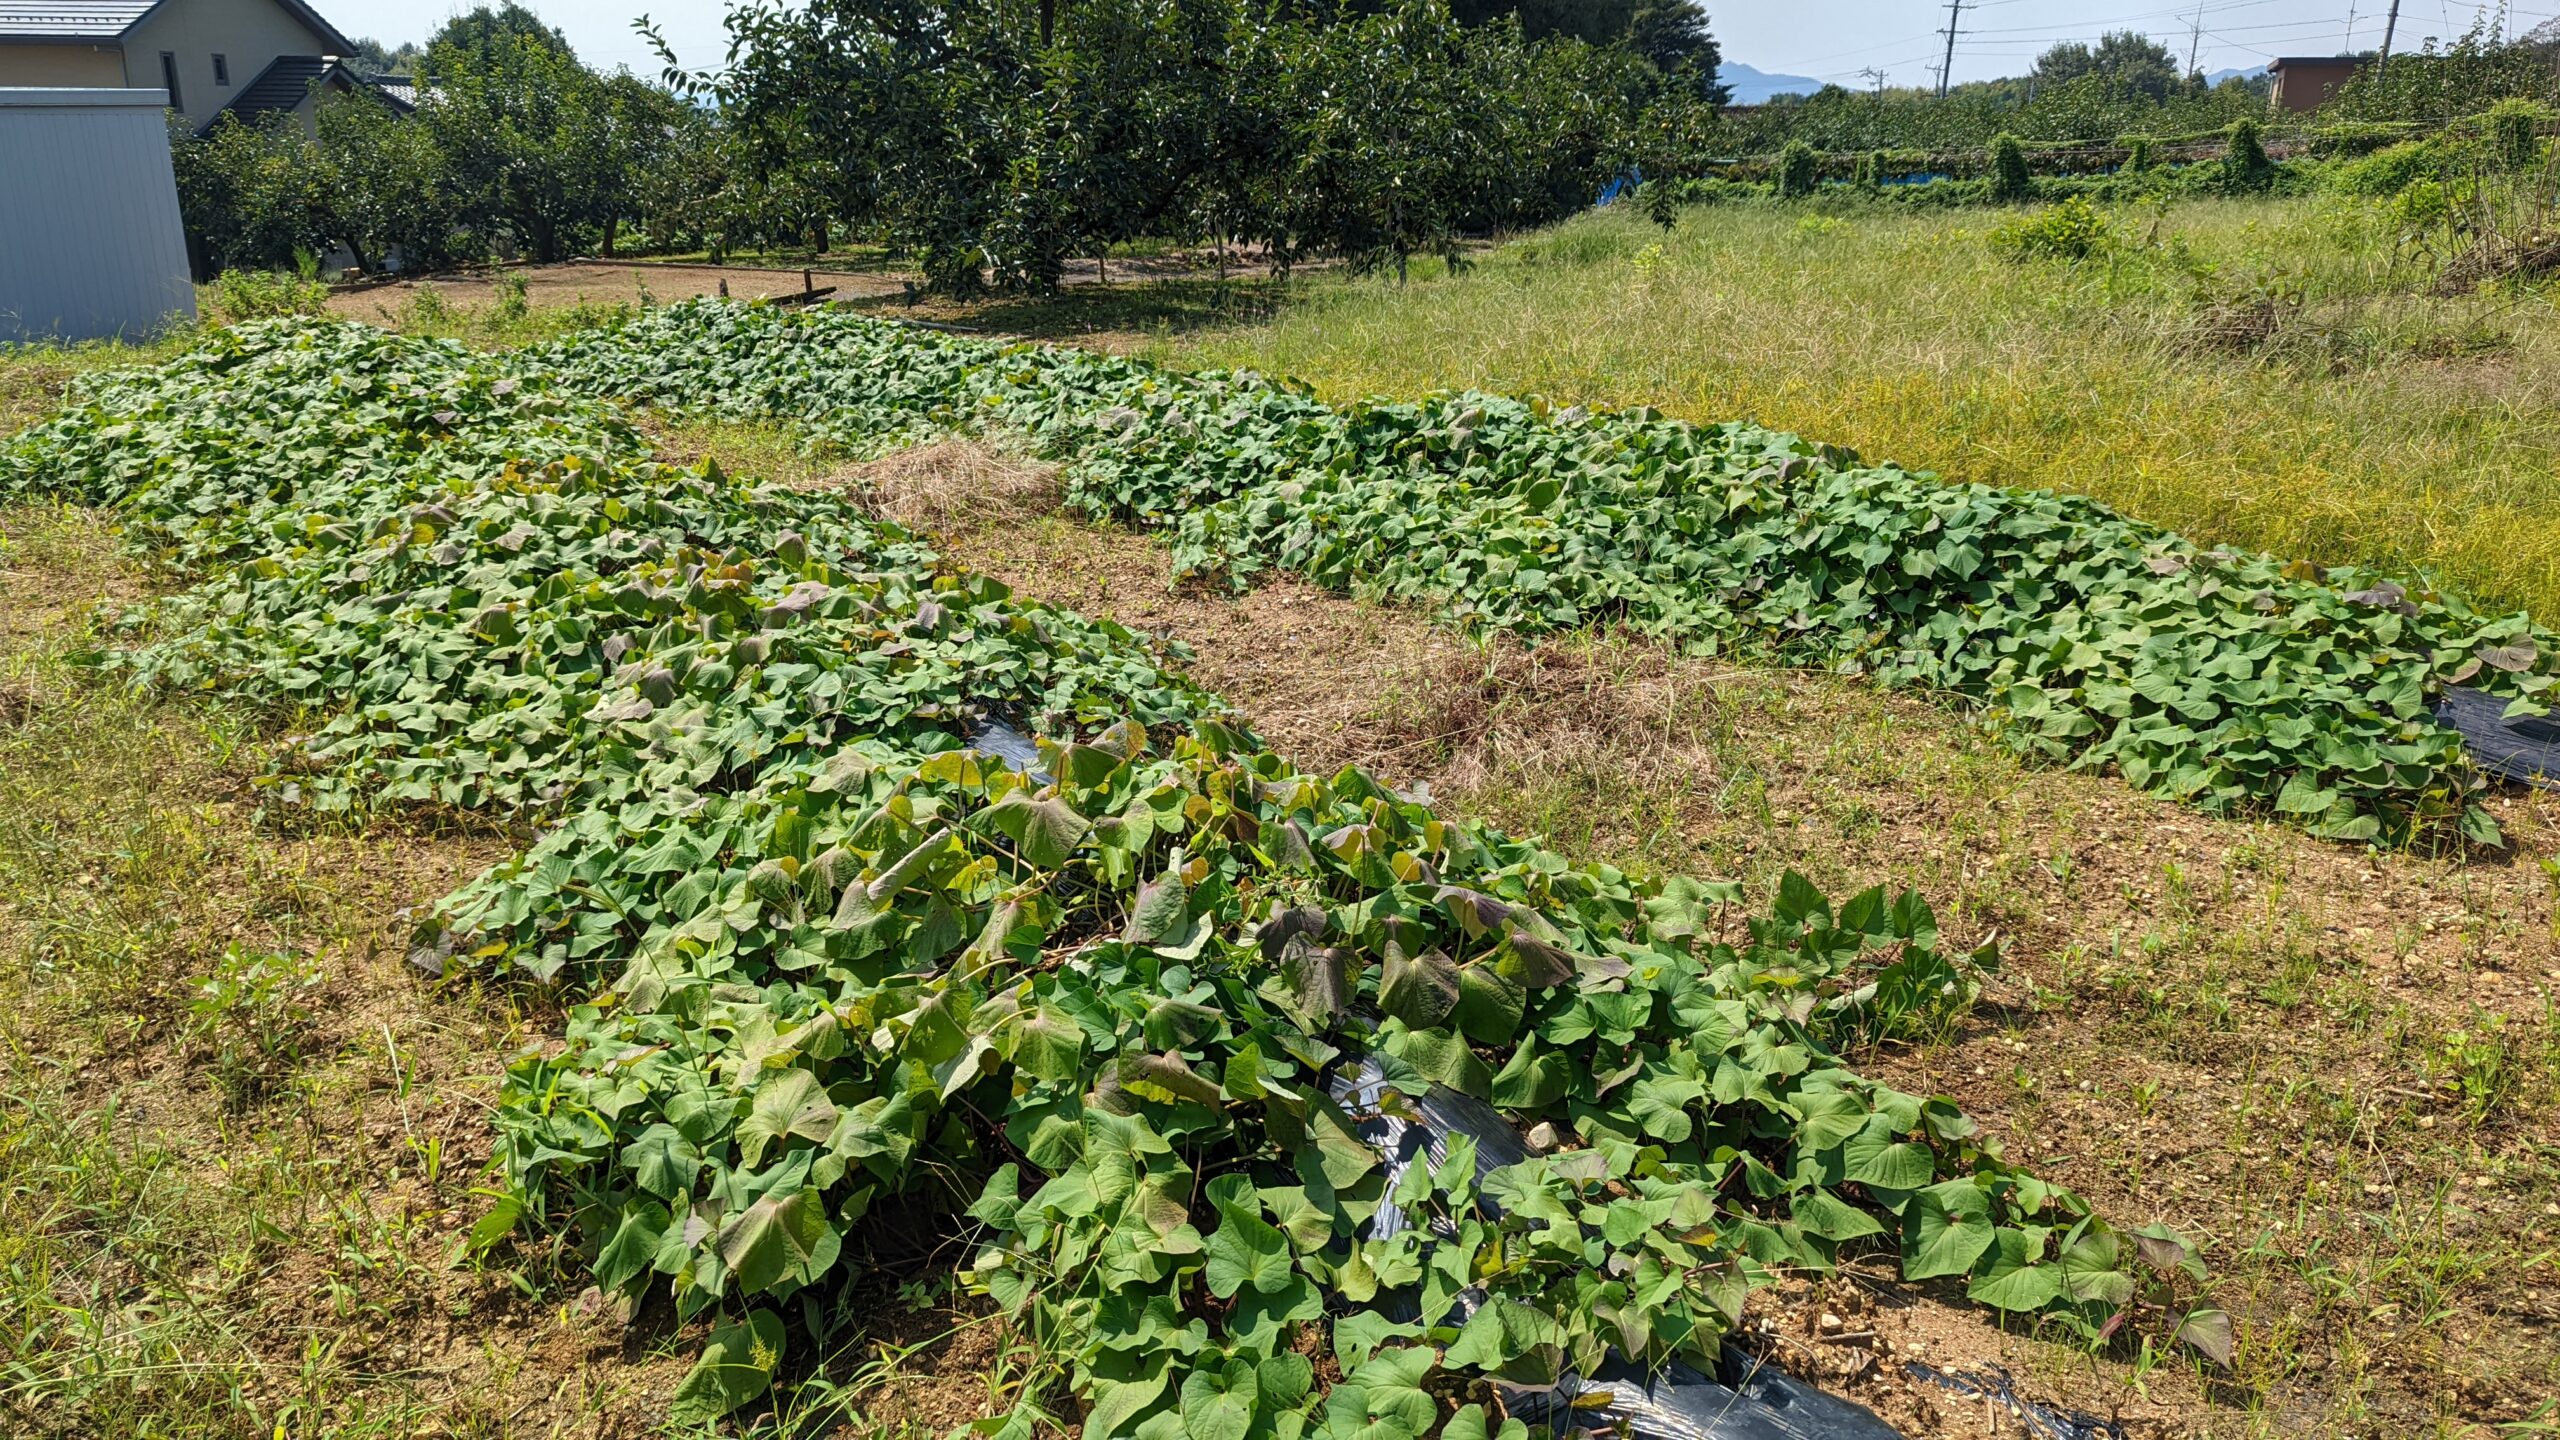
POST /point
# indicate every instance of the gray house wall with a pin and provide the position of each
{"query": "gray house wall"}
(91, 244)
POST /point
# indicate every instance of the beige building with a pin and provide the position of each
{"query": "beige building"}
(246, 57)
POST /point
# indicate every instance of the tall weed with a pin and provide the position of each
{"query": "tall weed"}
(237, 295)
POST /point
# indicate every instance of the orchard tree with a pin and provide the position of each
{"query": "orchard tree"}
(1383, 145)
(2127, 57)
(1593, 22)
(538, 145)
(253, 191)
(991, 140)
(1673, 35)
(897, 111)
(487, 35)
(389, 186)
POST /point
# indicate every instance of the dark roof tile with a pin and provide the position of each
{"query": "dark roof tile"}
(86, 19)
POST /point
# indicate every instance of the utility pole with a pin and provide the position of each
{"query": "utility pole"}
(1946, 70)
(2389, 25)
(2195, 33)
(1872, 73)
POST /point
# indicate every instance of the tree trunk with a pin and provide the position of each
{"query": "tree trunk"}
(611, 224)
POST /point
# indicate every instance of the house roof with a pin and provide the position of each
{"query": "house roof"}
(69, 19)
(400, 90)
(287, 79)
(92, 20)
(281, 85)
(2317, 61)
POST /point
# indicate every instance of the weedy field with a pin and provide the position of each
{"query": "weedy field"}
(2278, 374)
(761, 1010)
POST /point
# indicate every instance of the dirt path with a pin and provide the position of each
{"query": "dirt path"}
(610, 282)
(605, 282)
(2336, 1066)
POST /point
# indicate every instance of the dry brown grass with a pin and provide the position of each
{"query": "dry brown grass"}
(954, 487)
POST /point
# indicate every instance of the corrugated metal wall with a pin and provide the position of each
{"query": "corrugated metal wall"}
(90, 240)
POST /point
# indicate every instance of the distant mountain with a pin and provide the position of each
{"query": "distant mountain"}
(2216, 77)
(1751, 87)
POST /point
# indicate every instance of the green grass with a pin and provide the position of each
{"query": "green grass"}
(32, 376)
(236, 1150)
(2370, 423)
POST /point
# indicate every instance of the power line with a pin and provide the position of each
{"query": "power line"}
(2302, 29)
(1946, 67)
(2070, 30)
(2023, 42)
(2084, 27)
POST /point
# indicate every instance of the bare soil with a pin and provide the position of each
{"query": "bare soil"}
(608, 282)
(603, 282)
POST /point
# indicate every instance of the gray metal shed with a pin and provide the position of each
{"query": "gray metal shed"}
(90, 240)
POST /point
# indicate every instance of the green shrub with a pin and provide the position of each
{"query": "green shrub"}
(1799, 170)
(1719, 191)
(2384, 172)
(1660, 202)
(2510, 125)
(2073, 230)
(2352, 139)
(2245, 166)
(2444, 158)
(2009, 179)
(2137, 154)
(237, 295)
(2422, 205)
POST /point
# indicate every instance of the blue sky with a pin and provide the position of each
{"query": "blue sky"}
(1827, 39)
(1835, 39)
